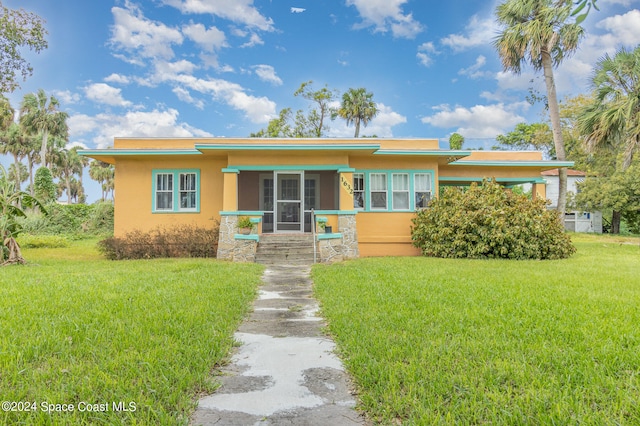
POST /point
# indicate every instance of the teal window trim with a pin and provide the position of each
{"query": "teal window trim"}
(389, 173)
(254, 237)
(265, 168)
(175, 202)
(242, 213)
(334, 236)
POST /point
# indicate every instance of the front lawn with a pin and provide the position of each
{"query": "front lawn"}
(103, 337)
(440, 341)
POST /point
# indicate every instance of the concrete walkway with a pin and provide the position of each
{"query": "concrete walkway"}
(285, 371)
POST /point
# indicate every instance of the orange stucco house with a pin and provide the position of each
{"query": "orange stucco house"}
(364, 190)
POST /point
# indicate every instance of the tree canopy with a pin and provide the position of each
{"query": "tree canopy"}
(542, 34)
(18, 29)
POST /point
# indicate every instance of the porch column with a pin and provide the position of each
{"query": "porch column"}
(347, 215)
(346, 189)
(228, 222)
(230, 190)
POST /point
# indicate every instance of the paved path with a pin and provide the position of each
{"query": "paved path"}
(285, 371)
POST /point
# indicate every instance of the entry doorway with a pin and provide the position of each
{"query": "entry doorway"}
(289, 194)
(286, 198)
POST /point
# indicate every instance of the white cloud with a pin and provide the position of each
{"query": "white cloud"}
(425, 50)
(66, 96)
(102, 93)
(164, 71)
(210, 40)
(267, 73)
(381, 125)
(477, 32)
(185, 96)
(117, 78)
(607, 37)
(239, 11)
(297, 10)
(254, 40)
(256, 109)
(140, 36)
(479, 121)
(385, 15)
(624, 29)
(103, 128)
(474, 71)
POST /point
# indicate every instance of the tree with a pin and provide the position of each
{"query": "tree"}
(456, 140)
(323, 98)
(18, 173)
(358, 107)
(618, 193)
(39, 115)
(539, 32)
(535, 136)
(18, 29)
(612, 120)
(44, 187)
(66, 164)
(6, 113)
(579, 7)
(12, 201)
(16, 143)
(104, 174)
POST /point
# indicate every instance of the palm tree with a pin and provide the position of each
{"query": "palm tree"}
(539, 32)
(66, 164)
(12, 201)
(15, 142)
(358, 107)
(613, 119)
(104, 174)
(6, 113)
(42, 116)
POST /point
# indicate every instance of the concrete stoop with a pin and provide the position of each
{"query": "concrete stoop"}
(285, 249)
(285, 371)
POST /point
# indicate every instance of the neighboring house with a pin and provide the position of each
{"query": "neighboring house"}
(366, 190)
(575, 220)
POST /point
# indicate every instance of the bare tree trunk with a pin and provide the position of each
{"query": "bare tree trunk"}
(43, 149)
(15, 255)
(615, 222)
(554, 115)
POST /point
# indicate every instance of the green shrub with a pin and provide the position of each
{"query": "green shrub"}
(177, 241)
(486, 221)
(100, 219)
(76, 220)
(42, 241)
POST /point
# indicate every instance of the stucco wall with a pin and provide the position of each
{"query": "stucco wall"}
(133, 195)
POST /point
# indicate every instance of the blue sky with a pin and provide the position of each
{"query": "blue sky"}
(225, 67)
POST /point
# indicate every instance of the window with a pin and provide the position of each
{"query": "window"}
(187, 191)
(378, 184)
(400, 188)
(422, 189)
(171, 197)
(358, 190)
(164, 191)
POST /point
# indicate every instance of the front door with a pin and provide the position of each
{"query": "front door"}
(289, 196)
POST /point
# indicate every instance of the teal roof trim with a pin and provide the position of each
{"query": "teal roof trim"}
(514, 180)
(515, 163)
(286, 147)
(127, 152)
(426, 152)
(269, 168)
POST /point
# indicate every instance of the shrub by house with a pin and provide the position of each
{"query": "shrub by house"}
(487, 221)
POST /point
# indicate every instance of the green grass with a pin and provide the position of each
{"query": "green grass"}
(80, 329)
(439, 341)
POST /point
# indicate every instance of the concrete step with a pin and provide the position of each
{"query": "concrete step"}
(274, 249)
